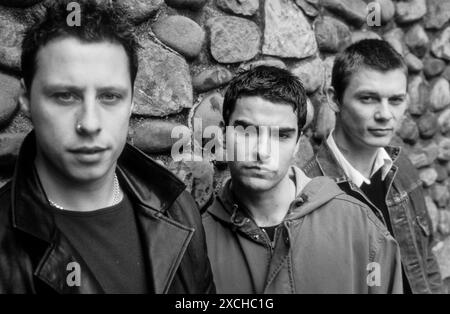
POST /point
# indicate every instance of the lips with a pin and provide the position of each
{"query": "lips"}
(380, 131)
(88, 150)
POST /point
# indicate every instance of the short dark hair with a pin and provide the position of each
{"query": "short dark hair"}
(373, 54)
(100, 21)
(270, 83)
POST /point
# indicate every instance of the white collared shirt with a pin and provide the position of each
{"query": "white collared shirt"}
(382, 160)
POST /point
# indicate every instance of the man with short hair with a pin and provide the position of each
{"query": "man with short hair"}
(85, 212)
(274, 230)
(369, 86)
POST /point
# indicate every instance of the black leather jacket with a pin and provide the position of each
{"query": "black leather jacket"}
(34, 255)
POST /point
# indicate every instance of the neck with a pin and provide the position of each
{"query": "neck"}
(360, 156)
(268, 208)
(72, 194)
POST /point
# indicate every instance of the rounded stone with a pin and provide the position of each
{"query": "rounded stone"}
(439, 94)
(211, 78)
(331, 34)
(446, 73)
(410, 11)
(440, 195)
(354, 11)
(387, 10)
(438, 13)
(181, 34)
(186, 4)
(418, 95)
(441, 170)
(395, 38)
(408, 131)
(444, 121)
(139, 11)
(444, 149)
(209, 111)
(428, 125)
(233, 39)
(433, 67)
(155, 136)
(310, 72)
(9, 94)
(423, 155)
(440, 46)
(417, 40)
(413, 63)
(308, 7)
(309, 113)
(428, 176)
(444, 222)
(240, 7)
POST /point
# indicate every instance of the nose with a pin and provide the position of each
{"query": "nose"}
(88, 122)
(264, 144)
(383, 112)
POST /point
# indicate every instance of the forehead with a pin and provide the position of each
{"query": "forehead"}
(262, 112)
(390, 82)
(70, 61)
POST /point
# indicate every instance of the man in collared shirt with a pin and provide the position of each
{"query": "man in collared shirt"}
(369, 86)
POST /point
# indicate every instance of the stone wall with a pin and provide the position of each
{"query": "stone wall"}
(192, 48)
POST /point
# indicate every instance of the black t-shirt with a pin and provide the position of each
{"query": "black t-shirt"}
(108, 241)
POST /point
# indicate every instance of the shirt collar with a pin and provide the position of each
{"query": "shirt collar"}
(382, 161)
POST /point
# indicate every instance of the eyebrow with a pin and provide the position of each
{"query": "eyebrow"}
(246, 124)
(51, 87)
(369, 92)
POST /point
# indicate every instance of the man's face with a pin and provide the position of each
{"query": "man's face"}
(268, 155)
(86, 85)
(372, 107)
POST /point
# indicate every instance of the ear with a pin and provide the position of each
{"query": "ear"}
(24, 99)
(332, 100)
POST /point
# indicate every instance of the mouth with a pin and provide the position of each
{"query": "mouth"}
(88, 150)
(381, 131)
(258, 169)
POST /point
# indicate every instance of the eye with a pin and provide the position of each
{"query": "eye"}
(110, 97)
(65, 97)
(367, 99)
(397, 101)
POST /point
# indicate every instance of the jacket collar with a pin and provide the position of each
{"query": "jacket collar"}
(330, 167)
(147, 182)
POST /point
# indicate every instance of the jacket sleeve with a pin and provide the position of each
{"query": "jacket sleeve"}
(387, 265)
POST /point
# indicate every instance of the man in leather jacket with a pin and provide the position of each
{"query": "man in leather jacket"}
(85, 212)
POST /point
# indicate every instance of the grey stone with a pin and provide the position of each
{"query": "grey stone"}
(304, 153)
(326, 120)
(433, 212)
(433, 67)
(395, 38)
(428, 125)
(9, 148)
(198, 177)
(418, 95)
(363, 34)
(446, 73)
(423, 155)
(9, 93)
(354, 11)
(417, 40)
(428, 176)
(444, 149)
(241, 7)
(287, 32)
(413, 63)
(163, 83)
(408, 131)
(154, 136)
(443, 255)
(440, 46)
(309, 113)
(438, 13)
(209, 111)
(307, 8)
(140, 10)
(328, 68)
(331, 34)
(181, 34)
(439, 94)
(410, 11)
(186, 4)
(269, 61)
(444, 222)
(444, 121)
(441, 170)
(440, 194)
(211, 78)
(310, 72)
(233, 39)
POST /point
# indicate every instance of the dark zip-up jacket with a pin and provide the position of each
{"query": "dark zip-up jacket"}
(34, 254)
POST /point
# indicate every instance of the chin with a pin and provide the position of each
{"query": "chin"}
(257, 184)
(378, 142)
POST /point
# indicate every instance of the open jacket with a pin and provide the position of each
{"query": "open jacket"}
(409, 218)
(328, 242)
(34, 254)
